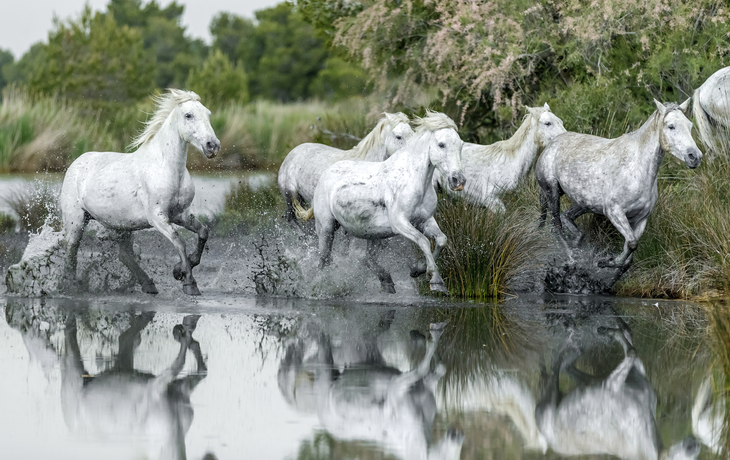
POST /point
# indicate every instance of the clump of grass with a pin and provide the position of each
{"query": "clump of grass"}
(7, 223)
(485, 250)
(35, 205)
(249, 207)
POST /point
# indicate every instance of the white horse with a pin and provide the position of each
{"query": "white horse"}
(395, 197)
(711, 108)
(371, 401)
(708, 416)
(150, 187)
(497, 168)
(614, 177)
(615, 415)
(303, 166)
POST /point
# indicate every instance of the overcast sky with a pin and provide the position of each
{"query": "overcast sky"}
(24, 22)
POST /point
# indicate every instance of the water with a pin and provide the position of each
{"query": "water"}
(310, 379)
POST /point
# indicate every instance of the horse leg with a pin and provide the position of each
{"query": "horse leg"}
(163, 225)
(401, 384)
(325, 226)
(431, 230)
(618, 377)
(190, 222)
(553, 199)
(130, 339)
(619, 220)
(401, 225)
(371, 261)
(544, 203)
(74, 223)
(126, 255)
(570, 215)
(289, 214)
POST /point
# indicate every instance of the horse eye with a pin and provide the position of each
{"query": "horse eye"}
(671, 126)
(442, 145)
(399, 137)
(548, 124)
(189, 116)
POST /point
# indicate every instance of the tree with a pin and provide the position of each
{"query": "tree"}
(6, 61)
(93, 58)
(219, 81)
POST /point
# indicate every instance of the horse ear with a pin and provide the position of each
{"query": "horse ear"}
(531, 111)
(685, 106)
(660, 107)
(547, 106)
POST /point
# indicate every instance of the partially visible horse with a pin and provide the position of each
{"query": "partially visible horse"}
(374, 201)
(150, 187)
(711, 109)
(123, 402)
(371, 401)
(497, 168)
(708, 415)
(614, 177)
(303, 166)
(615, 415)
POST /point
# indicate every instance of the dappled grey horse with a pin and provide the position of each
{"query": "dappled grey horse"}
(148, 188)
(614, 177)
(711, 109)
(497, 168)
(615, 415)
(125, 402)
(303, 166)
(375, 201)
(371, 401)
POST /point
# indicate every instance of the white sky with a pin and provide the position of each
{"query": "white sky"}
(25, 22)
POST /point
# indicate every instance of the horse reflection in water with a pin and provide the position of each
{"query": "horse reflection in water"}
(123, 402)
(369, 400)
(615, 415)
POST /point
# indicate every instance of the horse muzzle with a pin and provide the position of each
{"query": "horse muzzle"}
(212, 148)
(457, 181)
(693, 158)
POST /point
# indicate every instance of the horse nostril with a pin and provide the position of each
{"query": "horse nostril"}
(209, 145)
(691, 156)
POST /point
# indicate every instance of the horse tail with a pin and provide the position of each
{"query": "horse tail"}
(704, 123)
(301, 213)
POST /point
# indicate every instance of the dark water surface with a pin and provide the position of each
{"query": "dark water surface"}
(292, 379)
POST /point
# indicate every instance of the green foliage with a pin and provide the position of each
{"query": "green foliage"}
(7, 223)
(485, 250)
(6, 61)
(219, 81)
(94, 58)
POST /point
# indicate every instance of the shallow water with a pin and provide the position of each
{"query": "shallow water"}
(311, 379)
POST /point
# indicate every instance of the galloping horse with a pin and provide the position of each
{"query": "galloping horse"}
(302, 168)
(615, 415)
(711, 108)
(150, 187)
(614, 177)
(395, 197)
(497, 168)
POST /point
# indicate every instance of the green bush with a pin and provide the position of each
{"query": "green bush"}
(219, 81)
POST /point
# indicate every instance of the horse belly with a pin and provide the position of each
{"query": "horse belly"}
(112, 197)
(368, 219)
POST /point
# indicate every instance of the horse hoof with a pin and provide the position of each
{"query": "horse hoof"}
(177, 272)
(437, 329)
(417, 271)
(439, 287)
(178, 332)
(191, 289)
(388, 288)
(149, 288)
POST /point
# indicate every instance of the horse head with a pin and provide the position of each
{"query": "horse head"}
(444, 147)
(548, 125)
(675, 133)
(400, 133)
(187, 116)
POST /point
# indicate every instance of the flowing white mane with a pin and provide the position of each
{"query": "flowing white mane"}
(509, 147)
(433, 121)
(376, 136)
(165, 105)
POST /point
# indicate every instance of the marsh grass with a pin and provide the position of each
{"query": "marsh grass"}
(250, 207)
(719, 315)
(486, 250)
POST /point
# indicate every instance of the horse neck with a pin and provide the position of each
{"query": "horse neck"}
(169, 147)
(376, 153)
(419, 160)
(525, 152)
(649, 151)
